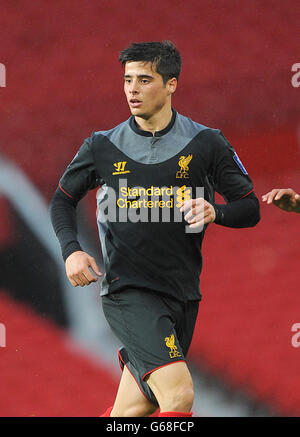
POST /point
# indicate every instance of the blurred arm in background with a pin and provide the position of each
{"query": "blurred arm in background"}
(284, 198)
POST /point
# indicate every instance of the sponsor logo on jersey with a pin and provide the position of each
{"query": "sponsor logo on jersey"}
(120, 168)
(170, 342)
(183, 193)
(153, 197)
(239, 163)
(146, 204)
(183, 164)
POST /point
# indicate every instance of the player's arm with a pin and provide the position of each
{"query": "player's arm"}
(231, 180)
(284, 198)
(241, 213)
(79, 177)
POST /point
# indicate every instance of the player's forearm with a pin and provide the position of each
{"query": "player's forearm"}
(242, 213)
(63, 218)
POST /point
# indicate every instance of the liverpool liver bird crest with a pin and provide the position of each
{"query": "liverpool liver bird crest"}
(184, 166)
(170, 342)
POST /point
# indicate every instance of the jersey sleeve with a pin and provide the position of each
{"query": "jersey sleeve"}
(81, 174)
(229, 175)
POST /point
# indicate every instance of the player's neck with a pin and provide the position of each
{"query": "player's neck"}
(157, 122)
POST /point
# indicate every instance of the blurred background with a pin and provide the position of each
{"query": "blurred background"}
(63, 81)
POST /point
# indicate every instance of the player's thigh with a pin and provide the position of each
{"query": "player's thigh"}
(130, 401)
(170, 379)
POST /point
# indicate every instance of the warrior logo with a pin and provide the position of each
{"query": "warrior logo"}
(120, 168)
(170, 342)
(183, 164)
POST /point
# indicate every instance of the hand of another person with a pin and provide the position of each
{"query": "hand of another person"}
(284, 198)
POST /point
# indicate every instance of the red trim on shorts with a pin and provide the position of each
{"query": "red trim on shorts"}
(120, 359)
(156, 368)
(247, 193)
(65, 191)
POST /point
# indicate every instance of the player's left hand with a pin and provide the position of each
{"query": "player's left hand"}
(201, 212)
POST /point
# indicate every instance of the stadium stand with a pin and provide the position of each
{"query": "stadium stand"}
(42, 372)
(63, 82)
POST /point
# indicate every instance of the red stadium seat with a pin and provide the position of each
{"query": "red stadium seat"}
(42, 374)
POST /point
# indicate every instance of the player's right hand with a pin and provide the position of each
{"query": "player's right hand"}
(78, 271)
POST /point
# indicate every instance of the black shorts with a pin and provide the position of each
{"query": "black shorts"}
(155, 331)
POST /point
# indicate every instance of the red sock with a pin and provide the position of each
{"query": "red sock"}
(174, 414)
(107, 412)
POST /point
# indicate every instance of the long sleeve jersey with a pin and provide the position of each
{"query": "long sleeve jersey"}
(143, 179)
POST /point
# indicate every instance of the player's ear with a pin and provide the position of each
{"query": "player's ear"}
(172, 85)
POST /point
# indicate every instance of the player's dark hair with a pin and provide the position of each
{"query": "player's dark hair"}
(164, 56)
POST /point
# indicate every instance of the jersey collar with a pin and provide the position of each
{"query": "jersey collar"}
(134, 126)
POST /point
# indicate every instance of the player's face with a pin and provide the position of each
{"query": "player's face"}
(145, 90)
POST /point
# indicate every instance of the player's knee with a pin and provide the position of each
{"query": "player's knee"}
(183, 399)
(179, 399)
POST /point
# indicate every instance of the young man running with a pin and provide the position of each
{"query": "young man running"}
(152, 248)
